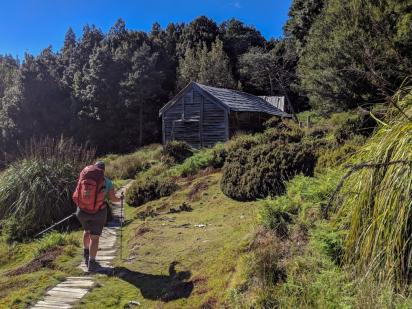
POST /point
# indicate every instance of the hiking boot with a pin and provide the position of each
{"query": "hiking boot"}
(86, 256)
(93, 266)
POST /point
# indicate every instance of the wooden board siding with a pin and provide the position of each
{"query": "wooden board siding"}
(196, 119)
(192, 101)
(187, 131)
(214, 123)
(173, 113)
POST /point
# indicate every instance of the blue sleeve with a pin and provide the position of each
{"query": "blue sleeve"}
(108, 184)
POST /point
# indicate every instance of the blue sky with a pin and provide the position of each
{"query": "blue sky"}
(31, 25)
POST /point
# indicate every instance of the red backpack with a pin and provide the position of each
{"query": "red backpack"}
(89, 194)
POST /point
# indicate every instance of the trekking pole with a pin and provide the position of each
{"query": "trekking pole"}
(56, 224)
(121, 225)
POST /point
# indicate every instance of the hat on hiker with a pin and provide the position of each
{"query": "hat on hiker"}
(100, 164)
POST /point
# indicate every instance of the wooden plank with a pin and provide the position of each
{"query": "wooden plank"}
(66, 300)
(53, 303)
(80, 278)
(70, 290)
(53, 306)
(58, 294)
(79, 282)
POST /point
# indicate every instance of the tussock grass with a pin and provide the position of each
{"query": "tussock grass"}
(377, 204)
(36, 190)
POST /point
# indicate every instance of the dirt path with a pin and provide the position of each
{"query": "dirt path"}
(67, 293)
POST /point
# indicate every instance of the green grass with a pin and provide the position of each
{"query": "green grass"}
(211, 254)
(129, 165)
(315, 274)
(200, 160)
(18, 291)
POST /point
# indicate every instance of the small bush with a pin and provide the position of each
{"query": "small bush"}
(148, 189)
(277, 216)
(264, 169)
(336, 155)
(209, 157)
(304, 201)
(127, 166)
(287, 135)
(178, 151)
(273, 122)
(263, 265)
(347, 125)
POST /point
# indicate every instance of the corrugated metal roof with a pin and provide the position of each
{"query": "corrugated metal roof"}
(242, 102)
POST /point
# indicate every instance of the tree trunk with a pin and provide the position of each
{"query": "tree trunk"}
(141, 124)
(270, 82)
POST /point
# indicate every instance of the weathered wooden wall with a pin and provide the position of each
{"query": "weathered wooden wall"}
(196, 119)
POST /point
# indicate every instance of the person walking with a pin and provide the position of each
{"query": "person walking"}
(92, 191)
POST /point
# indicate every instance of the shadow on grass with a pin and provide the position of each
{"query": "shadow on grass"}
(156, 287)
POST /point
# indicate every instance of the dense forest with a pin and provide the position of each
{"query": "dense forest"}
(105, 89)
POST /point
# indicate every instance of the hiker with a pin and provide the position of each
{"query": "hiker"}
(90, 197)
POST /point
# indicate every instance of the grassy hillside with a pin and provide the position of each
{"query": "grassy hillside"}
(205, 242)
(28, 269)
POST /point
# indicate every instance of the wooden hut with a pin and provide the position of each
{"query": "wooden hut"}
(202, 115)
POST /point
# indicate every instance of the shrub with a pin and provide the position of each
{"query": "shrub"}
(305, 200)
(178, 151)
(127, 166)
(36, 191)
(263, 266)
(148, 189)
(273, 122)
(263, 170)
(336, 155)
(208, 157)
(276, 216)
(347, 125)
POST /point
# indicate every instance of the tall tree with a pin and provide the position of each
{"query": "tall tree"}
(238, 38)
(361, 59)
(207, 67)
(141, 90)
(45, 105)
(189, 67)
(302, 14)
(215, 67)
(270, 72)
(201, 30)
(10, 99)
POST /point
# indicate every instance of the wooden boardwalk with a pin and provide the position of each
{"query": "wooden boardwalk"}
(69, 292)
